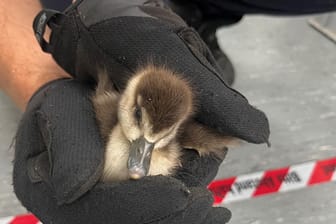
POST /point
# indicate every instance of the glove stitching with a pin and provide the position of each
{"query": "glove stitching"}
(85, 186)
(39, 113)
(45, 124)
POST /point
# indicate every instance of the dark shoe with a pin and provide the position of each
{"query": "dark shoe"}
(189, 12)
(208, 33)
(207, 27)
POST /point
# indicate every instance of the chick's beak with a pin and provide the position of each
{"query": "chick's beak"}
(139, 158)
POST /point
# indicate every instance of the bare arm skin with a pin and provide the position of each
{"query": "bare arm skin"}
(24, 68)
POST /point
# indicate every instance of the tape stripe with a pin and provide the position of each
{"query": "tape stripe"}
(243, 187)
(334, 176)
(271, 182)
(323, 171)
(221, 188)
(274, 181)
(25, 219)
(297, 177)
(6, 220)
(20, 219)
(250, 185)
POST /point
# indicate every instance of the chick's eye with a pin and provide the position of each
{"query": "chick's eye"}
(138, 114)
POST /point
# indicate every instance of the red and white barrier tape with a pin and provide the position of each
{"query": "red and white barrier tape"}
(273, 181)
(22, 219)
(250, 185)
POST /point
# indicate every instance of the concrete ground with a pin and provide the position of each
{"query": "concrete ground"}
(288, 70)
(9, 117)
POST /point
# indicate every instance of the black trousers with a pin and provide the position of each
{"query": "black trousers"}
(220, 8)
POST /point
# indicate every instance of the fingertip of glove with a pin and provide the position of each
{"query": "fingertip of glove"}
(201, 192)
(218, 215)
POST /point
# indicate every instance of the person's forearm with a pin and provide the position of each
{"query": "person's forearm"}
(23, 66)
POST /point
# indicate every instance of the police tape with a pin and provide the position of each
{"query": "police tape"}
(250, 185)
(21, 219)
(273, 181)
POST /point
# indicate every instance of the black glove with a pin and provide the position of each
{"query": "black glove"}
(58, 162)
(120, 36)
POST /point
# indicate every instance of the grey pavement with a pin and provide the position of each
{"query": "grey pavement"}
(9, 117)
(288, 70)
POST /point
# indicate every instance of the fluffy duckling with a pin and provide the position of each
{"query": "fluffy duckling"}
(146, 126)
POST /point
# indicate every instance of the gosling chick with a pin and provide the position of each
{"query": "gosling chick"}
(146, 126)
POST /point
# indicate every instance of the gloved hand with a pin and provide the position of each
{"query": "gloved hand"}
(58, 162)
(82, 41)
(120, 36)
